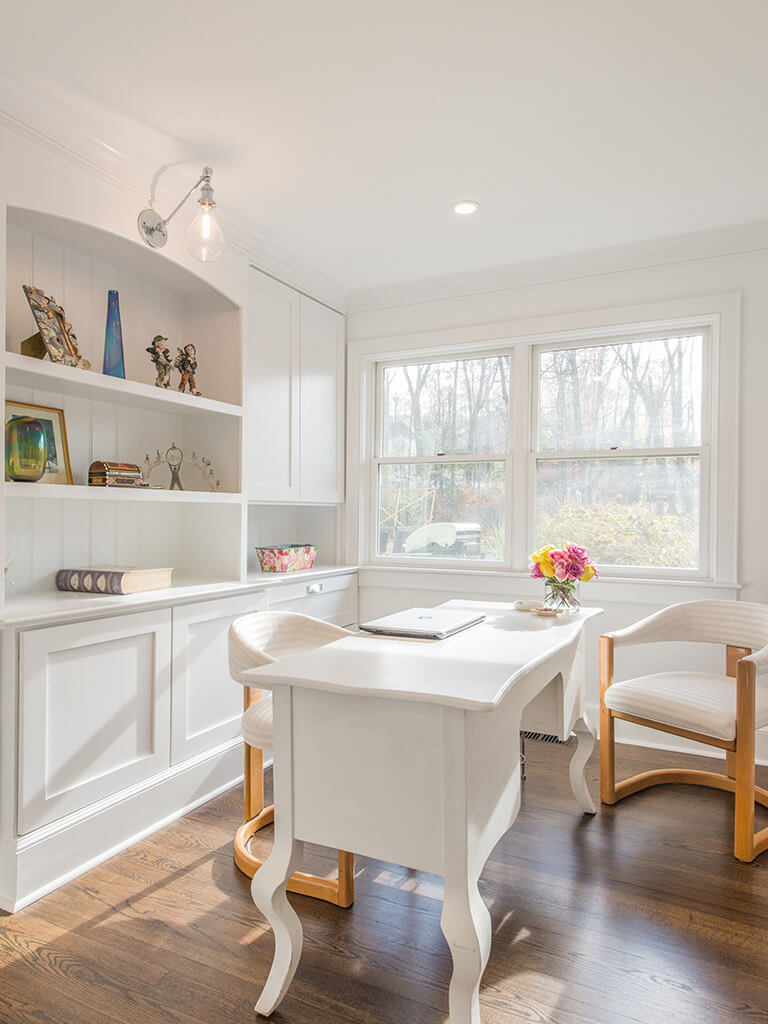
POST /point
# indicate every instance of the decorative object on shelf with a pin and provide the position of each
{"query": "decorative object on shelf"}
(115, 474)
(205, 239)
(161, 357)
(186, 364)
(114, 361)
(173, 458)
(26, 450)
(562, 569)
(6, 569)
(113, 580)
(288, 558)
(55, 334)
(57, 466)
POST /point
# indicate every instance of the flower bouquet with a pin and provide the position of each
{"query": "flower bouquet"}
(562, 569)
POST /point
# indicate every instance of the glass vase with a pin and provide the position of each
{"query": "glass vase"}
(114, 363)
(562, 595)
(26, 450)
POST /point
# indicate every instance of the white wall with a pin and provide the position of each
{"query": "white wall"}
(660, 278)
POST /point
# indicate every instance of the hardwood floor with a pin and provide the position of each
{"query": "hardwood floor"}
(638, 916)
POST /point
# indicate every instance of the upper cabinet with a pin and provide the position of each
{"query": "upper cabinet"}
(294, 415)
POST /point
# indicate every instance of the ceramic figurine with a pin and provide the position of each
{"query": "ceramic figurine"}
(186, 364)
(161, 357)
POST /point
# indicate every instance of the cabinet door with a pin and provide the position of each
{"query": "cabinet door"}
(207, 704)
(94, 711)
(322, 403)
(271, 421)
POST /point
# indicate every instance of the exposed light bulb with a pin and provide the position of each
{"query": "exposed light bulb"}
(205, 239)
(465, 207)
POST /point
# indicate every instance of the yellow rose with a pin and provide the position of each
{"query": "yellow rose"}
(546, 566)
(588, 574)
(542, 559)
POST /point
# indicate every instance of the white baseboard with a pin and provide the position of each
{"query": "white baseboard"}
(639, 736)
(46, 859)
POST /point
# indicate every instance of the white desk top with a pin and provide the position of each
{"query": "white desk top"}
(471, 670)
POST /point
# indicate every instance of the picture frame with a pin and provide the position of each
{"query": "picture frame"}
(56, 332)
(59, 468)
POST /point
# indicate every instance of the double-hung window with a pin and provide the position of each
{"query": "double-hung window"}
(615, 431)
(620, 453)
(441, 470)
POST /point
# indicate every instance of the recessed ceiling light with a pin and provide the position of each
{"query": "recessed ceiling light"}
(465, 206)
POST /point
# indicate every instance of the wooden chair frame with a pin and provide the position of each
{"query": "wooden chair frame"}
(340, 891)
(739, 777)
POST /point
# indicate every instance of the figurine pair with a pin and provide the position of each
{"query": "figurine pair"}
(185, 362)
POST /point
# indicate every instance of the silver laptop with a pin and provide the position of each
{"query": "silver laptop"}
(424, 623)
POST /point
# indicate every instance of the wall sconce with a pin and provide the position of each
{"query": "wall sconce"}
(205, 239)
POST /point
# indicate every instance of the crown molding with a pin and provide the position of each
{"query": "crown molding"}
(739, 240)
(124, 154)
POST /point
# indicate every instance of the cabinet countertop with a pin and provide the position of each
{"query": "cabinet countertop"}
(52, 608)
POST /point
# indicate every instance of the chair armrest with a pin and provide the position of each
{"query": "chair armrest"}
(759, 659)
(662, 625)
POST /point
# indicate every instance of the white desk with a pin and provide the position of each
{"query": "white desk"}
(409, 751)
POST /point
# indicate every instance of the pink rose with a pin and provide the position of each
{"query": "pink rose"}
(536, 571)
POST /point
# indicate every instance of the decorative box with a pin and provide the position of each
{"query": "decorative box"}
(288, 558)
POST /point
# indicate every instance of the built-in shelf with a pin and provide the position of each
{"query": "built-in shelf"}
(75, 492)
(25, 372)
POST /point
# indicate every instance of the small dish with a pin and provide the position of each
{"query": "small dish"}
(527, 606)
(548, 613)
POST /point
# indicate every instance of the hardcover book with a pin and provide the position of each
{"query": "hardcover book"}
(113, 580)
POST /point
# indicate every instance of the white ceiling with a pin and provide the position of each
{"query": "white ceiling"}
(346, 130)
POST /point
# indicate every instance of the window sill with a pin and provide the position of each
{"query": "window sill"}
(506, 585)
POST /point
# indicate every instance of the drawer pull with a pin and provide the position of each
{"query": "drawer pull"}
(314, 588)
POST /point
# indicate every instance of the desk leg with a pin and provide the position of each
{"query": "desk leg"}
(465, 920)
(269, 882)
(466, 926)
(586, 735)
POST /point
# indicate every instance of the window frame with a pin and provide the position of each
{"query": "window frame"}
(378, 460)
(703, 450)
(719, 314)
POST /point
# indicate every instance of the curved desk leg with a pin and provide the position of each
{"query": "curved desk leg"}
(268, 892)
(465, 920)
(269, 882)
(586, 735)
(466, 925)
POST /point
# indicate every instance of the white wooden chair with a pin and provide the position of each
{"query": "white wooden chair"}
(260, 639)
(721, 711)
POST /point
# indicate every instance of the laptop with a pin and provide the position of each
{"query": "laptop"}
(424, 623)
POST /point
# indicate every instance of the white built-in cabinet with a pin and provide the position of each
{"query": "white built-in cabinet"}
(206, 705)
(294, 396)
(95, 705)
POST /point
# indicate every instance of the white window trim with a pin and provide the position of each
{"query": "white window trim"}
(719, 314)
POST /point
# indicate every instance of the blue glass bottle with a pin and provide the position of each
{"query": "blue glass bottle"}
(114, 363)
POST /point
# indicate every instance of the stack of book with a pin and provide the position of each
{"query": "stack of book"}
(115, 474)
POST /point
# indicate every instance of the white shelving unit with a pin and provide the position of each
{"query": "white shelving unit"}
(201, 533)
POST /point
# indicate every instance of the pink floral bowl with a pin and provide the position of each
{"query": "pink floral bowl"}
(293, 556)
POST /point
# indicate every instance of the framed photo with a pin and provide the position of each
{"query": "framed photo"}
(56, 331)
(58, 469)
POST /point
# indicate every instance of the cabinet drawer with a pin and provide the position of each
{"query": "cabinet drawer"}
(333, 599)
(94, 711)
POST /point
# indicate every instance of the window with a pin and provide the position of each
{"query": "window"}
(602, 440)
(619, 462)
(442, 469)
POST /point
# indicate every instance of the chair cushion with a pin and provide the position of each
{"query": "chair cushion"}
(695, 701)
(257, 723)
